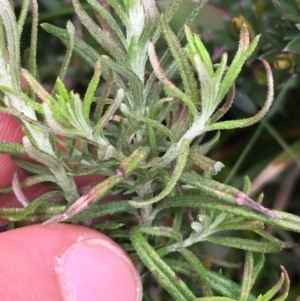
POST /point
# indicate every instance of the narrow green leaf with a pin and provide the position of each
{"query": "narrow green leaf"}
(13, 43)
(234, 70)
(36, 211)
(31, 167)
(100, 36)
(33, 40)
(225, 107)
(200, 271)
(219, 283)
(200, 199)
(247, 244)
(121, 233)
(63, 94)
(158, 72)
(109, 225)
(208, 104)
(133, 49)
(178, 219)
(247, 185)
(247, 277)
(92, 87)
(161, 231)
(285, 286)
(225, 286)
(214, 298)
(258, 267)
(244, 41)
(171, 9)
(88, 53)
(265, 234)
(218, 75)
(120, 10)
(37, 87)
(32, 180)
(103, 209)
(197, 47)
(164, 274)
(179, 54)
(245, 225)
(283, 280)
(110, 20)
(12, 148)
(109, 112)
(76, 114)
(181, 267)
(98, 169)
(2, 44)
(68, 56)
(103, 98)
(152, 141)
(133, 161)
(23, 15)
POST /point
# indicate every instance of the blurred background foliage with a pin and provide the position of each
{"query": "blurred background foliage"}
(268, 152)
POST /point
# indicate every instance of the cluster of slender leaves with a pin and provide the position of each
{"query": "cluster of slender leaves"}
(279, 44)
(277, 21)
(145, 134)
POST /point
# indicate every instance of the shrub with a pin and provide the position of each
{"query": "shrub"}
(146, 121)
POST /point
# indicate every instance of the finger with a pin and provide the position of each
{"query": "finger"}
(64, 263)
(11, 131)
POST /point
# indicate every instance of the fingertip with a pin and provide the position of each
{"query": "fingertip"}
(97, 259)
(65, 262)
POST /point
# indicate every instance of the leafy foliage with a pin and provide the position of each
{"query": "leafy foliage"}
(145, 129)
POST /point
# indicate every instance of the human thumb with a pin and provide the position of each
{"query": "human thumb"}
(63, 262)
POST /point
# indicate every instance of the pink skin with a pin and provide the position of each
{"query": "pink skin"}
(59, 262)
